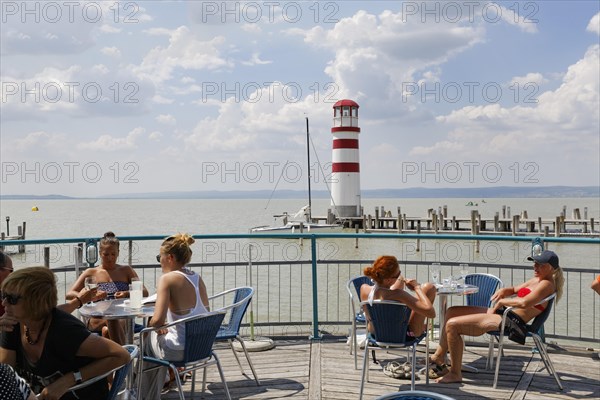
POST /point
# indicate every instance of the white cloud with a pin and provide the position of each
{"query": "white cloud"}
(111, 51)
(564, 122)
(532, 77)
(387, 50)
(255, 60)
(594, 25)
(252, 28)
(166, 119)
(110, 143)
(269, 123)
(155, 136)
(184, 51)
(524, 23)
(158, 99)
(106, 28)
(443, 146)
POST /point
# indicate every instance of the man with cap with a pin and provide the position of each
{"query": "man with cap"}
(526, 298)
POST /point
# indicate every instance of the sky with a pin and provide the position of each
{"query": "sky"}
(113, 97)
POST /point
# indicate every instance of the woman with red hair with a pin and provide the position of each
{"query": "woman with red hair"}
(391, 285)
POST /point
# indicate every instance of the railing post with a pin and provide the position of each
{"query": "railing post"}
(313, 250)
(47, 257)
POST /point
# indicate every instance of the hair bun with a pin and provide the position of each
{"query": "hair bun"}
(109, 234)
(188, 239)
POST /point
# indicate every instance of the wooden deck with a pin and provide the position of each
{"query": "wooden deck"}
(302, 369)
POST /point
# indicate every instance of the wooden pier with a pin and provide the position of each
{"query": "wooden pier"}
(324, 370)
(502, 223)
(19, 236)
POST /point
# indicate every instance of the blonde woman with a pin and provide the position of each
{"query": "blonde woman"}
(180, 293)
(475, 321)
(51, 349)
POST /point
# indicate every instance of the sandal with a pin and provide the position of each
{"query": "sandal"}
(396, 370)
(438, 370)
(184, 377)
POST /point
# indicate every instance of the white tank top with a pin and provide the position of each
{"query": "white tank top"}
(175, 338)
(372, 293)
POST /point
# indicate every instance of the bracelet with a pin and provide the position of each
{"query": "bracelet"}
(80, 302)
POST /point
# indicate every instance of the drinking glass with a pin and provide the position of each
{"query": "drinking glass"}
(464, 271)
(135, 294)
(436, 270)
(90, 283)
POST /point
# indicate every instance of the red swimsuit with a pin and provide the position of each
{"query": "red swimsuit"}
(524, 292)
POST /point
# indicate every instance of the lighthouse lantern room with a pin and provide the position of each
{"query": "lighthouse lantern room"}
(345, 187)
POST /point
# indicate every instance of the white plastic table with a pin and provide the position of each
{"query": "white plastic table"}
(443, 293)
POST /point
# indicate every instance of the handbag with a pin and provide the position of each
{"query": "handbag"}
(515, 328)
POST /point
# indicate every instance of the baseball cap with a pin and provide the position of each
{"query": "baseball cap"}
(547, 257)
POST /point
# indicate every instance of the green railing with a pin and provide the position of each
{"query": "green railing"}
(305, 291)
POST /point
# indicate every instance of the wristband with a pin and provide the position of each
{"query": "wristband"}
(80, 302)
(78, 377)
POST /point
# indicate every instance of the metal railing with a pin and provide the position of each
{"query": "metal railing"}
(306, 295)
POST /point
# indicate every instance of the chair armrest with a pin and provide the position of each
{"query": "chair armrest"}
(133, 353)
(234, 305)
(179, 321)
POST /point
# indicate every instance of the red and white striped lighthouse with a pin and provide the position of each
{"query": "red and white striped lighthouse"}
(345, 187)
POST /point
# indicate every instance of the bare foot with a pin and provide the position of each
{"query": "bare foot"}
(450, 377)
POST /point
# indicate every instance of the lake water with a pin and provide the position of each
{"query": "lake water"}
(90, 218)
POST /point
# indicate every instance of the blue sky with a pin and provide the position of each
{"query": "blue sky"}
(213, 95)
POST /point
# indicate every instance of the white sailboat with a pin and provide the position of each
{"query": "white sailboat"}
(301, 220)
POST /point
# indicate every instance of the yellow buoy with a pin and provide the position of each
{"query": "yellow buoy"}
(34, 208)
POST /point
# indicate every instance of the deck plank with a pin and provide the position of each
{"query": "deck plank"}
(294, 368)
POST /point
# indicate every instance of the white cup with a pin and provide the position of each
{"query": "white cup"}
(135, 294)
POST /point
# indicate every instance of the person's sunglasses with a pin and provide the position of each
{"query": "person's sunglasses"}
(7, 269)
(12, 299)
(158, 258)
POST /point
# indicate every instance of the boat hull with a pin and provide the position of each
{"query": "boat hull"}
(294, 227)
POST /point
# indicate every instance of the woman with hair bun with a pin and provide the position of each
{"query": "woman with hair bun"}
(180, 293)
(391, 285)
(113, 282)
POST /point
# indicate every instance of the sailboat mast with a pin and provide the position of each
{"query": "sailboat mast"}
(308, 171)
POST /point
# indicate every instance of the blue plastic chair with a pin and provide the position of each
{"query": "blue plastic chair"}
(120, 374)
(532, 331)
(358, 316)
(200, 333)
(389, 320)
(231, 329)
(487, 284)
(414, 395)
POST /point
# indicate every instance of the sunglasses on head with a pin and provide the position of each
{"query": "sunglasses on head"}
(12, 299)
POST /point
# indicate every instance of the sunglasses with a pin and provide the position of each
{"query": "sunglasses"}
(7, 269)
(12, 299)
(158, 257)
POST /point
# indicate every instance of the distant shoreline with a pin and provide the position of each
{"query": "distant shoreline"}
(469, 193)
